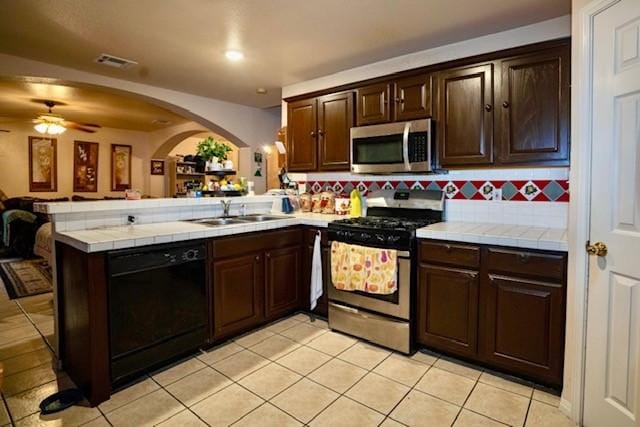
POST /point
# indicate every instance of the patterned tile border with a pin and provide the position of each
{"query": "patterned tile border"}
(512, 190)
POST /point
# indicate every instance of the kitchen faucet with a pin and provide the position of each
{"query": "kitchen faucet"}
(226, 204)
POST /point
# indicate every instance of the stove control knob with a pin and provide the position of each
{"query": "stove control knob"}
(393, 239)
(365, 236)
(380, 237)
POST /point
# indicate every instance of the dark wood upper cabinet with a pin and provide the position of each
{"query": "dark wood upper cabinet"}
(238, 294)
(465, 116)
(282, 272)
(533, 103)
(302, 135)
(448, 309)
(373, 104)
(335, 119)
(412, 98)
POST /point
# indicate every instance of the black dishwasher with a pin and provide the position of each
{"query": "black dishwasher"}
(157, 306)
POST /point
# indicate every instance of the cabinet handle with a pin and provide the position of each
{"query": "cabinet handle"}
(320, 132)
(505, 104)
(268, 255)
(488, 107)
(313, 134)
(523, 258)
(257, 257)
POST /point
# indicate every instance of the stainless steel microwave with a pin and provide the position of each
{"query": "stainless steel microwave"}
(402, 147)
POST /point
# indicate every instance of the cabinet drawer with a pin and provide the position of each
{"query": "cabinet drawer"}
(242, 244)
(525, 263)
(450, 253)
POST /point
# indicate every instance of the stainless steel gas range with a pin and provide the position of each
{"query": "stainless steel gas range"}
(391, 223)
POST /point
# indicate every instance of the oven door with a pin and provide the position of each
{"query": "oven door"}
(396, 304)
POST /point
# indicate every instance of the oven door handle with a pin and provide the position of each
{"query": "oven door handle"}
(405, 146)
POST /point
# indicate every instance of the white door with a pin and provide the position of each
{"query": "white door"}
(612, 376)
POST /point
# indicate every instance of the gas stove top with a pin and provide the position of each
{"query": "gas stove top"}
(386, 223)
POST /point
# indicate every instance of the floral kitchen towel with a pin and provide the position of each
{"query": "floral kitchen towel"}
(365, 269)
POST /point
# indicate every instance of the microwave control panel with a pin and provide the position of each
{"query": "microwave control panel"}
(418, 147)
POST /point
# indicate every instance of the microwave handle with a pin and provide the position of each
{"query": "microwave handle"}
(405, 146)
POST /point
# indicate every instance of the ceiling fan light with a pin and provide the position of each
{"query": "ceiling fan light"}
(56, 129)
(41, 127)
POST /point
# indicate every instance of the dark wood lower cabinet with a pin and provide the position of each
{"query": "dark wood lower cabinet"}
(449, 315)
(238, 294)
(510, 314)
(282, 267)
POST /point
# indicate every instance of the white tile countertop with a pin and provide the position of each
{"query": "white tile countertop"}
(129, 236)
(519, 236)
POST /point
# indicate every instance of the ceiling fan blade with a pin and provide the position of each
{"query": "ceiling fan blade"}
(91, 125)
(76, 126)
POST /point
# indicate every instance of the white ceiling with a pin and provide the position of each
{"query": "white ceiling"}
(21, 101)
(180, 44)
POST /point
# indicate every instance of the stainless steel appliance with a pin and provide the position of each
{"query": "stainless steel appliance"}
(402, 147)
(157, 306)
(391, 222)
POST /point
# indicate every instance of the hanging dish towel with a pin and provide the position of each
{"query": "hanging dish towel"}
(316, 273)
(360, 268)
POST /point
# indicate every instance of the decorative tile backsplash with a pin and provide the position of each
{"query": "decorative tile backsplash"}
(536, 190)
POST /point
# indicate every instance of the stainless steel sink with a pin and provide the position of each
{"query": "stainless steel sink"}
(260, 218)
(214, 222)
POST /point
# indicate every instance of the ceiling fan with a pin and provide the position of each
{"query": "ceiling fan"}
(54, 124)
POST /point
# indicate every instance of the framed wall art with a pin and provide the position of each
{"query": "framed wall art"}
(120, 167)
(157, 167)
(43, 168)
(85, 166)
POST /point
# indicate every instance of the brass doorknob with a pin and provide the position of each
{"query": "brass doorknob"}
(598, 248)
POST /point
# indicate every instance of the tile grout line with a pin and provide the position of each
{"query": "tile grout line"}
(188, 408)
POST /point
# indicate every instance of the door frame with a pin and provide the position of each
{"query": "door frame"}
(572, 401)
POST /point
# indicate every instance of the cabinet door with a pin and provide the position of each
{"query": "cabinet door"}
(301, 135)
(238, 294)
(523, 326)
(465, 116)
(335, 119)
(448, 309)
(373, 104)
(412, 98)
(282, 281)
(533, 117)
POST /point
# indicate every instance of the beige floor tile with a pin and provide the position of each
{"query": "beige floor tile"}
(365, 355)
(26, 403)
(178, 371)
(543, 415)
(337, 375)
(282, 325)
(471, 419)
(458, 368)
(253, 338)
(129, 394)
(501, 405)
(226, 406)
(332, 343)
(506, 384)
(269, 381)
(28, 379)
(401, 369)
(543, 396)
(220, 353)
(305, 399)
(275, 347)
(419, 409)
(4, 415)
(446, 385)
(185, 418)
(319, 323)
(378, 392)
(267, 415)
(198, 385)
(303, 360)
(301, 317)
(149, 410)
(345, 412)
(27, 361)
(98, 422)
(426, 358)
(74, 416)
(240, 365)
(10, 350)
(390, 422)
(303, 333)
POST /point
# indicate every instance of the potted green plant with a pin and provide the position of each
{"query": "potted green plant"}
(213, 152)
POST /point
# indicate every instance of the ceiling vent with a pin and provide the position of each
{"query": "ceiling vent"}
(114, 61)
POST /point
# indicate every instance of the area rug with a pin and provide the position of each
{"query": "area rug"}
(23, 278)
